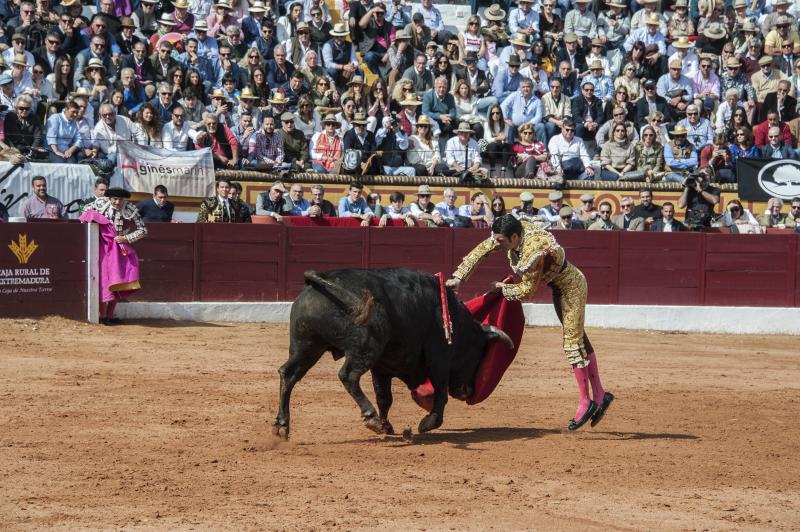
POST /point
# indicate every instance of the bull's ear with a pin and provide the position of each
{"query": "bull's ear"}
(493, 333)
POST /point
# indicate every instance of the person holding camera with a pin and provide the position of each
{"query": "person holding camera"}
(393, 143)
(699, 198)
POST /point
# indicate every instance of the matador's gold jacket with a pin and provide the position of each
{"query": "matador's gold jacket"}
(538, 259)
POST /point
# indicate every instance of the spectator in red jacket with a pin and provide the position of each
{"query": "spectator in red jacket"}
(760, 132)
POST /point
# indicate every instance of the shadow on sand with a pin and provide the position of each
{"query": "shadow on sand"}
(172, 324)
(614, 435)
(463, 438)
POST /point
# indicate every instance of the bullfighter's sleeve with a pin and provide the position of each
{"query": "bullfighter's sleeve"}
(528, 285)
(140, 231)
(474, 257)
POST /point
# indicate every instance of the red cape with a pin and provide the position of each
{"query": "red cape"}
(491, 309)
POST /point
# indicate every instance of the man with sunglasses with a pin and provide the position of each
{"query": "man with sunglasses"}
(794, 213)
(319, 26)
(700, 131)
(649, 103)
(760, 132)
(23, 131)
(766, 80)
(705, 83)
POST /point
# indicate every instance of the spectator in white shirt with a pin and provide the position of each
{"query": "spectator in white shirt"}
(463, 155)
(568, 154)
(111, 129)
(176, 133)
(396, 211)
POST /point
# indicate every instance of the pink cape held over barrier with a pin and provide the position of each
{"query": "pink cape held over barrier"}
(119, 263)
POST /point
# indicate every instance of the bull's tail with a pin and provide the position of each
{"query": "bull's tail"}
(359, 308)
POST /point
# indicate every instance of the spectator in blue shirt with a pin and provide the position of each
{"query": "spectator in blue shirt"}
(354, 205)
(522, 107)
(63, 137)
(439, 105)
(507, 80)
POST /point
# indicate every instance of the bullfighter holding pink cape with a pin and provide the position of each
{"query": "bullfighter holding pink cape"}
(120, 225)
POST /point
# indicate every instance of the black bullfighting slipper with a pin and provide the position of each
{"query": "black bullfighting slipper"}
(608, 398)
(115, 321)
(576, 424)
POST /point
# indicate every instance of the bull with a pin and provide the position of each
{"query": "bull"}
(387, 322)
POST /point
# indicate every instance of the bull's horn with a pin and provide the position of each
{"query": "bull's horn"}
(493, 332)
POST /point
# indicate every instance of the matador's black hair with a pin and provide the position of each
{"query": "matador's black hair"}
(507, 225)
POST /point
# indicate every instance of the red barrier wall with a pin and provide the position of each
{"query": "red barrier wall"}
(207, 262)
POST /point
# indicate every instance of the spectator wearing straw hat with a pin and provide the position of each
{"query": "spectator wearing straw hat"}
(581, 22)
(326, 146)
(649, 35)
(463, 156)
(339, 56)
(687, 57)
(603, 85)
(734, 78)
(360, 139)
(220, 19)
(766, 80)
(295, 144)
(613, 26)
(184, 21)
(680, 155)
(97, 50)
(207, 46)
(676, 89)
(251, 23)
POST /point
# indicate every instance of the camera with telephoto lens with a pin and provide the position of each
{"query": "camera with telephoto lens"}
(690, 182)
(393, 122)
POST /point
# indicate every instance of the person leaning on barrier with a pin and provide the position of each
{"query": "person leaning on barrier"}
(525, 210)
(627, 221)
(773, 217)
(604, 222)
(667, 222)
(393, 144)
(353, 205)
(158, 208)
(647, 210)
(424, 210)
(273, 203)
(396, 211)
(447, 207)
(221, 209)
(587, 213)
(319, 205)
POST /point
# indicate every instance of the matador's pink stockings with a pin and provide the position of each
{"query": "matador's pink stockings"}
(598, 393)
(582, 376)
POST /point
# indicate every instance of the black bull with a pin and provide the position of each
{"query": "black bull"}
(388, 322)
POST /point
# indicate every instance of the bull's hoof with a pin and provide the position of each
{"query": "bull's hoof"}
(430, 422)
(374, 424)
(280, 431)
(386, 427)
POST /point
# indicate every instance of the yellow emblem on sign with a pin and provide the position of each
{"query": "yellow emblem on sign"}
(22, 250)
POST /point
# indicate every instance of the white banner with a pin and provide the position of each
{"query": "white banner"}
(70, 183)
(184, 173)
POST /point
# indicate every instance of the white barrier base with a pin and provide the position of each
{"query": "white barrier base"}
(730, 320)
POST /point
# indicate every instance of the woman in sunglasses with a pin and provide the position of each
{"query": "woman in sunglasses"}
(648, 156)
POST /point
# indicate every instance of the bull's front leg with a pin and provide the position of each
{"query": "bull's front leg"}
(435, 419)
(350, 375)
(383, 396)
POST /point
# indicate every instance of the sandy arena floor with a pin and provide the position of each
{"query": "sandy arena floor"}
(161, 425)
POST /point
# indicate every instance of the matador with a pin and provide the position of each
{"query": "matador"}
(536, 257)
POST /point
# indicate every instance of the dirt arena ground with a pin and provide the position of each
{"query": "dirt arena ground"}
(161, 425)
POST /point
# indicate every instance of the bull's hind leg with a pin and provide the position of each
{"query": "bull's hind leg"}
(383, 396)
(350, 375)
(301, 359)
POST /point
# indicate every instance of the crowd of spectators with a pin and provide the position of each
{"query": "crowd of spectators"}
(554, 89)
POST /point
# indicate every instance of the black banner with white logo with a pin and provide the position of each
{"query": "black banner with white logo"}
(761, 179)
